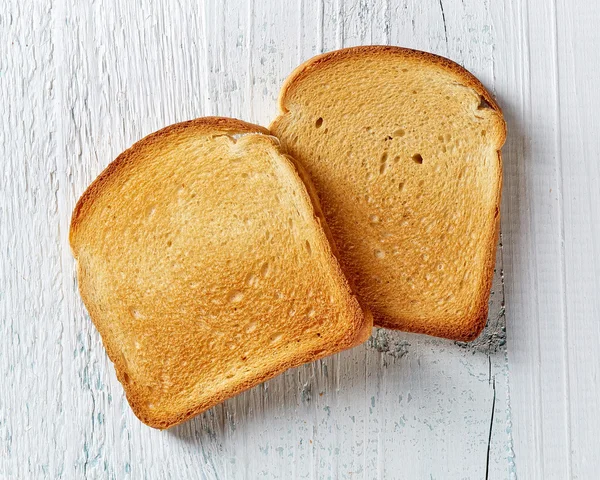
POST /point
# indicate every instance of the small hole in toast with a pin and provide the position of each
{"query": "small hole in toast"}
(264, 270)
(483, 103)
(319, 122)
(135, 313)
(235, 296)
(307, 246)
(150, 210)
(276, 338)
(251, 327)
(251, 279)
(417, 158)
(399, 133)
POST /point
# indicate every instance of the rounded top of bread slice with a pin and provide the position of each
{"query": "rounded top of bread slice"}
(403, 149)
(203, 263)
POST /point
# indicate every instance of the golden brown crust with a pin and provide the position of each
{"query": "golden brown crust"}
(207, 124)
(165, 422)
(319, 61)
(359, 323)
(473, 326)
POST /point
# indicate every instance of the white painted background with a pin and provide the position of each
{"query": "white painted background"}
(82, 80)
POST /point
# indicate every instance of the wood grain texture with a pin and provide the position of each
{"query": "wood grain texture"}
(545, 59)
(81, 81)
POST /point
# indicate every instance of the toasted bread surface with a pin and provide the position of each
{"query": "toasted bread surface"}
(403, 148)
(203, 264)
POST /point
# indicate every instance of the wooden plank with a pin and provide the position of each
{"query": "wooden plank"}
(578, 64)
(550, 232)
(31, 339)
(534, 261)
(522, 40)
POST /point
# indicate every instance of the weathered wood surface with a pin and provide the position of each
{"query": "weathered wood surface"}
(81, 81)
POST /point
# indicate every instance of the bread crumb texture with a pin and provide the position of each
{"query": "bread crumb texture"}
(204, 266)
(403, 149)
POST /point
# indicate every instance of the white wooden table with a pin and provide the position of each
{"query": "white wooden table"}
(82, 80)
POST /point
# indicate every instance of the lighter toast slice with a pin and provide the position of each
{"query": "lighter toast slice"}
(205, 267)
(403, 148)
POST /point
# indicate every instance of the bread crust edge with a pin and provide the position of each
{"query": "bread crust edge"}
(318, 61)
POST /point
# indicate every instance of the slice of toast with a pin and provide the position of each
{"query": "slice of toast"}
(206, 268)
(403, 148)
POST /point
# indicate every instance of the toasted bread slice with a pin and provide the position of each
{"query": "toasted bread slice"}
(204, 265)
(404, 150)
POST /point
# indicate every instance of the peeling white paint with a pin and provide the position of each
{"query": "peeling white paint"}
(80, 82)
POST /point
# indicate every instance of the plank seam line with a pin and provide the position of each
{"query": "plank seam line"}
(487, 458)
